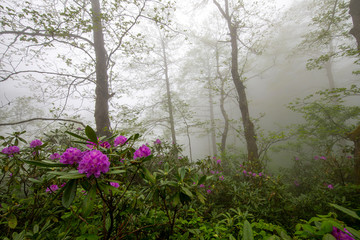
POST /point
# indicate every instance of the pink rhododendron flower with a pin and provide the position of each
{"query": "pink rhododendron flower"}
(221, 178)
(143, 151)
(330, 186)
(35, 143)
(115, 184)
(254, 174)
(120, 140)
(71, 156)
(340, 235)
(316, 157)
(52, 188)
(11, 150)
(94, 163)
(218, 161)
(244, 172)
(201, 185)
(260, 174)
(208, 191)
(105, 144)
(323, 157)
(55, 156)
(157, 141)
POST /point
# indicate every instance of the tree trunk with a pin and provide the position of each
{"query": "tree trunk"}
(102, 91)
(355, 15)
(212, 119)
(222, 105)
(355, 137)
(249, 130)
(168, 94)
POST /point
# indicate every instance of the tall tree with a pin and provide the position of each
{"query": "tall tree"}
(249, 130)
(87, 39)
(355, 15)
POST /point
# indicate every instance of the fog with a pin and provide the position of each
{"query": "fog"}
(272, 60)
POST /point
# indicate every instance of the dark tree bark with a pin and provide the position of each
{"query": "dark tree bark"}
(222, 105)
(249, 130)
(355, 137)
(355, 15)
(102, 88)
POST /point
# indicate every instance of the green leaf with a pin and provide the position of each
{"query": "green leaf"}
(148, 175)
(176, 199)
(69, 193)
(44, 164)
(36, 228)
(202, 180)
(182, 173)
(326, 227)
(186, 191)
(72, 176)
(354, 232)
(200, 197)
(88, 203)
(115, 171)
(91, 134)
(247, 231)
(345, 210)
(76, 135)
(328, 237)
(12, 221)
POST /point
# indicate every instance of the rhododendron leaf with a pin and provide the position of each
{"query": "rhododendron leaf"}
(328, 237)
(88, 203)
(326, 226)
(43, 163)
(354, 232)
(247, 231)
(202, 180)
(186, 191)
(91, 134)
(200, 197)
(115, 171)
(148, 176)
(181, 173)
(12, 221)
(345, 210)
(72, 176)
(176, 199)
(76, 135)
(69, 193)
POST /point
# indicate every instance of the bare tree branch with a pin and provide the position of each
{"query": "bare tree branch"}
(42, 119)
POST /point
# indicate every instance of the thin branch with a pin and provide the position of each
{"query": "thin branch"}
(42, 119)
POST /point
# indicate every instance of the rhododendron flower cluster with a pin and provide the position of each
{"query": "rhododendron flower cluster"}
(157, 141)
(35, 143)
(143, 151)
(340, 235)
(52, 188)
(11, 150)
(94, 163)
(71, 156)
(120, 140)
(55, 156)
(115, 184)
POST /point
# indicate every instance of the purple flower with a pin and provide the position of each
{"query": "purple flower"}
(250, 173)
(55, 156)
(244, 172)
(218, 161)
(316, 157)
(221, 178)
(157, 141)
(62, 185)
(71, 156)
(254, 174)
(330, 186)
(35, 143)
(143, 151)
(115, 184)
(120, 140)
(201, 185)
(94, 162)
(212, 172)
(10, 174)
(52, 188)
(241, 165)
(349, 157)
(340, 235)
(105, 144)
(296, 158)
(260, 174)
(11, 150)
(208, 191)
(323, 157)
(296, 183)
